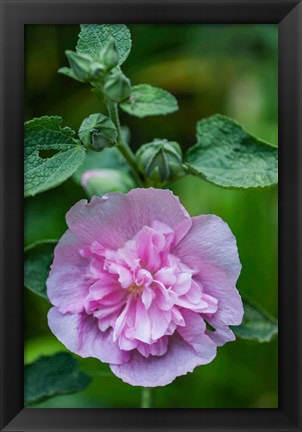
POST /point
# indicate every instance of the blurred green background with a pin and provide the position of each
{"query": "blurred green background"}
(228, 69)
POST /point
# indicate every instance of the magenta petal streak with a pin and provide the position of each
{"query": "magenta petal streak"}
(135, 280)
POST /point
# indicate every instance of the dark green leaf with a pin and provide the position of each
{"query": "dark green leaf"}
(53, 376)
(257, 325)
(146, 100)
(94, 37)
(51, 154)
(37, 260)
(228, 156)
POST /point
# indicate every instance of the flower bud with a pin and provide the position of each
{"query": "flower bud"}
(110, 54)
(102, 181)
(160, 160)
(97, 132)
(117, 86)
(84, 67)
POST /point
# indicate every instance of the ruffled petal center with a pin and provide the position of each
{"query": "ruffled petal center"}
(141, 291)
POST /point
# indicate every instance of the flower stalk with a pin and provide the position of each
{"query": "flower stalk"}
(146, 398)
(123, 148)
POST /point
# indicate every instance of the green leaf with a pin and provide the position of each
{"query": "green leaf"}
(51, 154)
(257, 325)
(228, 156)
(53, 376)
(94, 37)
(145, 100)
(37, 260)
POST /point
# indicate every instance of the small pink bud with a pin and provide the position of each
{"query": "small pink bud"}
(101, 181)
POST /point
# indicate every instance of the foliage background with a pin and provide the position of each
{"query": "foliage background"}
(227, 69)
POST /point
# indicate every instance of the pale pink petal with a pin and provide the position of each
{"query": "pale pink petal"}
(147, 297)
(212, 304)
(194, 333)
(126, 343)
(166, 230)
(177, 317)
(95, 270)
(104, 286)
(106, 316)
(156, 371)
(210, 248)
(142, 327)
(125, 277)
(67, 284)
(160, 321)
(222, 333)
(193, 299)
(81, 335)
(149, 245)
(115, 218)
(157, 348)
(143, 277)
(165, 298)
(123, 318)
(183, 283)
(166, 276)
(230, 308)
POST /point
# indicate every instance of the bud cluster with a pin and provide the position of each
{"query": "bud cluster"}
(101, 70)
(156, 162)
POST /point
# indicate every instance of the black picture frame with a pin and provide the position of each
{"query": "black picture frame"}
(288, 15)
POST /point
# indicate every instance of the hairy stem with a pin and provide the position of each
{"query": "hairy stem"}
(123, 148)
(146, 399)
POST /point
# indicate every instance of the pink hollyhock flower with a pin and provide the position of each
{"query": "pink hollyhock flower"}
(134, 281)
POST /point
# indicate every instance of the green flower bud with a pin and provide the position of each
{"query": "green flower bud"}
(117, 86)
(102, 181)
(110, 54)
(97, 71)
(97, 132)
(84, 67)
(160, 160)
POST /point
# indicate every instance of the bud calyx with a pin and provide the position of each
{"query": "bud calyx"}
(117, 86)
(109, 54)
(160, 160)
(98, 132)
(84, 67)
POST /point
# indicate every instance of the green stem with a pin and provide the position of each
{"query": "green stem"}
(123, 148)
(146, 400)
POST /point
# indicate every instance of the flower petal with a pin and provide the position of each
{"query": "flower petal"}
(210, 248)
(156, 371)
(149, 245)
(157, 348)
(80, 334)
(194, 333)
(222, 333)
(116, 218)
(67, 284)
